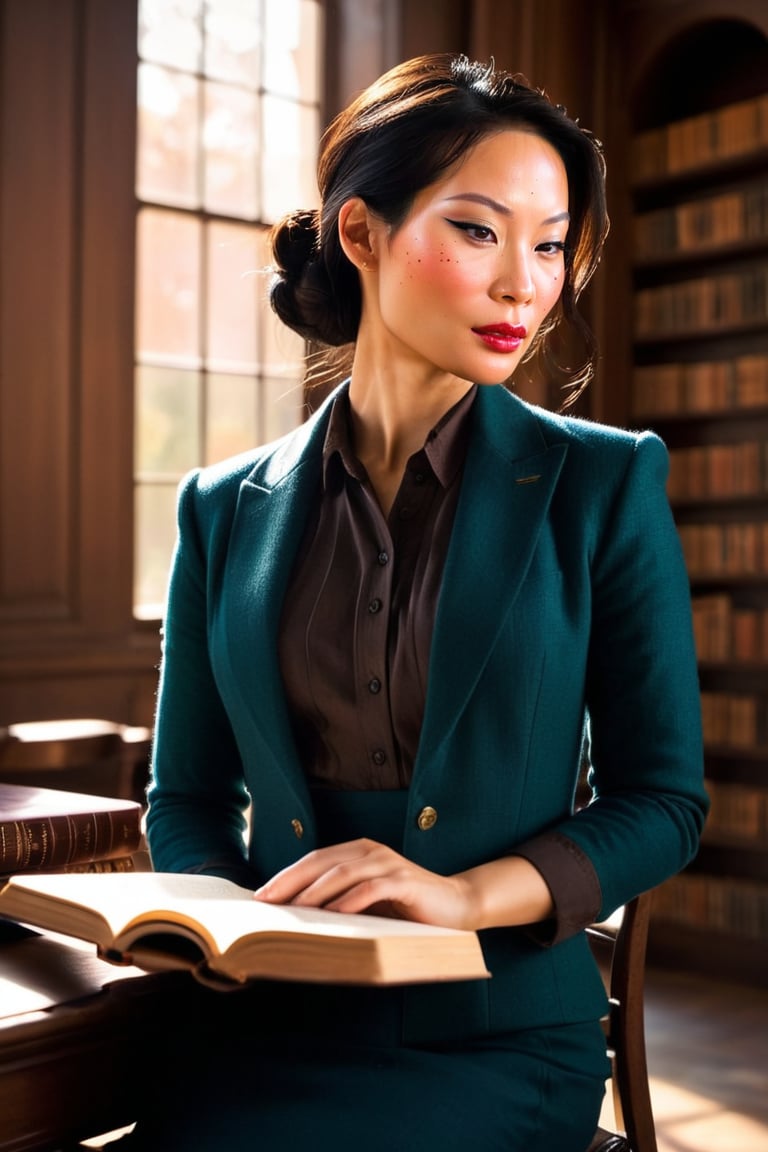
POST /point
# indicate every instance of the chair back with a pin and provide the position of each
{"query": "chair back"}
(99, 757)
(619, 945)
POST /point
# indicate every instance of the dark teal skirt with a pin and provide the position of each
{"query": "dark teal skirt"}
(282, 1067)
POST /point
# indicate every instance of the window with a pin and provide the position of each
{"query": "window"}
(228, 126)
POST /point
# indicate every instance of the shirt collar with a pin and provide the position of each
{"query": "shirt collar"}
(444, 448)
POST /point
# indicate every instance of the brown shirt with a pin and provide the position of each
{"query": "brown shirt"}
(357, 623)
(358, 617)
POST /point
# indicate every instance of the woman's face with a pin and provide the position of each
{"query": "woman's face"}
(464, 282)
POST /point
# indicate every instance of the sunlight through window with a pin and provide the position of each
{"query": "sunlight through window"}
(228, 126)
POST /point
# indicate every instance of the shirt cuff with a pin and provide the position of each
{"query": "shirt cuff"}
(572, 881)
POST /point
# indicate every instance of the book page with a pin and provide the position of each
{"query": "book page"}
(223, 911)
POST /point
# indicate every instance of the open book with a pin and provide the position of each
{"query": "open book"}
(164, 920)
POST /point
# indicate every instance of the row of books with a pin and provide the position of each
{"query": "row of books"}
(723, 903)
(718, 470)
(734, 217)
(715, 550)
(731, 131)
(734, 719)
(724, 631)
(737, 810)
(50, 830)
(729, 300)
(704, 386)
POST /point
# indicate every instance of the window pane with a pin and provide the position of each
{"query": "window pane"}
(167, 162)
(289, 157)
(167, 421)
(231, 142)
(168, 287)
(228, 125)
(153, 546)
(232, 416)
(170, 32)
(233, 40)
(282, 403)
(283, 349)
(234, 286)
(292, 34)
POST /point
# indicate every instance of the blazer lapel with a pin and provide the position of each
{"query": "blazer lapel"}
(266, 533)
(509, 477)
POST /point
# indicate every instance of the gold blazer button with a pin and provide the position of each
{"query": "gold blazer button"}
(298, 828)
(427, 818)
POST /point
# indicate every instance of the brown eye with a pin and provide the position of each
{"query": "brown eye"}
(480, 232)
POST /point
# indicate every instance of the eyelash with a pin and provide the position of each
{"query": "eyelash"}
(558, 245)
(465, 226)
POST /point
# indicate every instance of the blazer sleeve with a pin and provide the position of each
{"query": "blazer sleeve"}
(197, 801)
(643, 704)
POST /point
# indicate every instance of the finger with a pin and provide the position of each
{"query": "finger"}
(295, 878)
(376, 897)
(347, 875)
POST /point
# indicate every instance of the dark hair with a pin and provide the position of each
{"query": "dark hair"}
(399, 136)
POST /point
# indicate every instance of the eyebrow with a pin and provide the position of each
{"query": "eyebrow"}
(478, 198)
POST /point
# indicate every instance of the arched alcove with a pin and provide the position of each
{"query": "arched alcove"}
(711, 63)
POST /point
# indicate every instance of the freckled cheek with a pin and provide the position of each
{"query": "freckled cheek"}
(438, 267)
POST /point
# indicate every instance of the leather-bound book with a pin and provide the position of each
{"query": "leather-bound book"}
(44, 829)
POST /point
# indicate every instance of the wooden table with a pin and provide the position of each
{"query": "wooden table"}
(76, 1038)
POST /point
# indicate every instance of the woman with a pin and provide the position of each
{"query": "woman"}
(399, 632)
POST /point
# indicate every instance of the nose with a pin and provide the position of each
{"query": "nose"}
(514, 281)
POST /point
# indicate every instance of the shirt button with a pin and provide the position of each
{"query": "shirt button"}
(374, 686)
(298, 828)
(419, 477)
(374, 606)
(379, 756)
(427, 818)
(382, 558)
(405, 513)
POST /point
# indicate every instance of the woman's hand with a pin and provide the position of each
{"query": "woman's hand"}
(365, 876)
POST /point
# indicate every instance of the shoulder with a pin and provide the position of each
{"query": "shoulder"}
(514, 428)
(589, 435)
(601, 448)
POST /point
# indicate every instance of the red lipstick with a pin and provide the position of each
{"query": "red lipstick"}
(502, 337)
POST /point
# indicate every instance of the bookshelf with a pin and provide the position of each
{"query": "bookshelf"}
(699, 234)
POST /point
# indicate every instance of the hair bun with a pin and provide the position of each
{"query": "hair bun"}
(302, 292)
(296, 241)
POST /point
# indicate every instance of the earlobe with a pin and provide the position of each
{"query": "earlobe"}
(355, 227)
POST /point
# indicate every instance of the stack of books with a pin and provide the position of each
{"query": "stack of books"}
(47, 830)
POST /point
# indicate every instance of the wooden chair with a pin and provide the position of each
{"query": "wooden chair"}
(620, 947)
(100, 757)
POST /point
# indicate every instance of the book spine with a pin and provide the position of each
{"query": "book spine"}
(725, 904)
(49, 842)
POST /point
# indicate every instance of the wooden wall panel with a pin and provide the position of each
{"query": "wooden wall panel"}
(105, 335)
(38, 145)
(362, 41)
(68, 643)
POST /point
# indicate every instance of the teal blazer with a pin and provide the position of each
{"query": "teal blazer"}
(564, 594)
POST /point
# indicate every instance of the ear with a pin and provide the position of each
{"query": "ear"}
(356, 226)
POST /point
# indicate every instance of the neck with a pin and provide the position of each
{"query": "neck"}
(391, 419)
